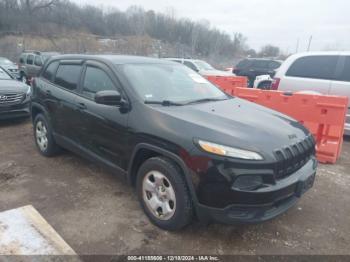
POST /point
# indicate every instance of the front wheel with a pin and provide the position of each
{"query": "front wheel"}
(163, 194)
(43, 136)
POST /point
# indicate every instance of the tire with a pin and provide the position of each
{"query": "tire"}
(161, 179)
(43, 137)
(266, 85)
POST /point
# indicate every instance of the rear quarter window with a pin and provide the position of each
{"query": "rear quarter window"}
(38, 61)
(274, 65)
(319, 67)
(22, 59)
(67, 76)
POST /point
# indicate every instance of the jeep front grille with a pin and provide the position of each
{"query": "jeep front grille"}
(293, 157)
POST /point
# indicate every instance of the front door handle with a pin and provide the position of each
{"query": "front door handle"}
(81, 106)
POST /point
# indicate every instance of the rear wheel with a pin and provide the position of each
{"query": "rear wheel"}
(163, 194)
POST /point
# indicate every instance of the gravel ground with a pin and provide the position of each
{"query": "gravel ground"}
(98, 213)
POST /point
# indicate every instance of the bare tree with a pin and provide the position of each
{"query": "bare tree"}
(269, 51)
(31, 6)
(51, 18)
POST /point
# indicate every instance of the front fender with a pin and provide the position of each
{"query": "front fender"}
(171, 156)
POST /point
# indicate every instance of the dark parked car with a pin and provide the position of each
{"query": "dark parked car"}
(188, 148)
(253, 67)
(14, 97)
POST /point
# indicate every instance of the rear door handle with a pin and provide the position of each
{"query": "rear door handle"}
(81, 106)
(47, 92)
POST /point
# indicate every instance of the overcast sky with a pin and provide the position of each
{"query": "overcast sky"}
(278, 22)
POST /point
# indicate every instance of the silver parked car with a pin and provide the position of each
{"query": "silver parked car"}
(30, 63)
(10, 66)
(14, 97)
(200, 66)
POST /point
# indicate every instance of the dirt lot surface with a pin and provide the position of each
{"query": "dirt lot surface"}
(96, 212)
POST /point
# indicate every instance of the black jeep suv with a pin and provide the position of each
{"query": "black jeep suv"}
(253, 67)
(188, 148)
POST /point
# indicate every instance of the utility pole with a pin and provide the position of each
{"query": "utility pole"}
(310, 40)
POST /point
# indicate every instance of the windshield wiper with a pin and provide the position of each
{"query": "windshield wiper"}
(164, 103)
(205, 100)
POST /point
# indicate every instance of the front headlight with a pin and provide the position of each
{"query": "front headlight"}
(228, 151)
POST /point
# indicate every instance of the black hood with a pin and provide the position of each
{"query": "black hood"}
(234, 122)
(13, 86)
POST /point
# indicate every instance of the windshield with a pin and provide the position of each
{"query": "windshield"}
(203, 65)
(5, 61)
(176, 83)
(4, 75)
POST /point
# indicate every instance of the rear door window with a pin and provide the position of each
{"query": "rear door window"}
(261, 64)
(319, 67)
(345, 74)
(96, 80)
(30, 59)
(50, 71)
(68, 76)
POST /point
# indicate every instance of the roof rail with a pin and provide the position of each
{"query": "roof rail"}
(32, 51)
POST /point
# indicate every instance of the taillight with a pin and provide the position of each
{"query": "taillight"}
(275, 83)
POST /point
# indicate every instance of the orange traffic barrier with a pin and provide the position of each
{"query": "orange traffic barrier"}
(323, 115)
(228, 83)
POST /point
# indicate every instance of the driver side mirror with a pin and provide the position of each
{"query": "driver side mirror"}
(108, 97)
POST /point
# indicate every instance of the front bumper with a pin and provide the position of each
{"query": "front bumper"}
(15, 111)
(271, 201)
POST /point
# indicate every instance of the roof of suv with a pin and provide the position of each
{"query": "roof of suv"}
(182, 59)
(340, 53)
(37, 53)
(117, 59)
(263, 59)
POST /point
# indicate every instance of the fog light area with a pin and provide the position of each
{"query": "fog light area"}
(248, 183)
